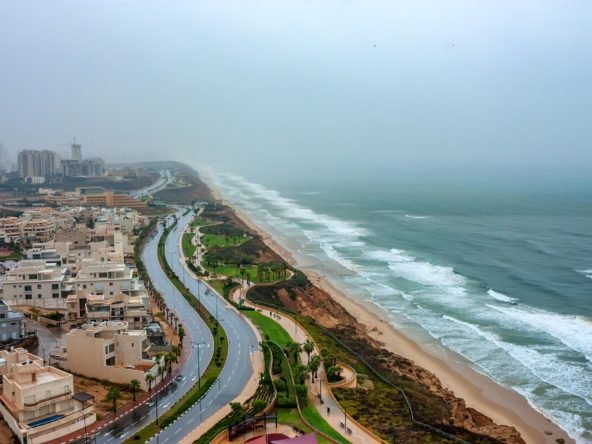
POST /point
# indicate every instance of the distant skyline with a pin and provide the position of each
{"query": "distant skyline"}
(424, 89)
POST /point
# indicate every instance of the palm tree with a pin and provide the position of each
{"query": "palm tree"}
(113, 395)
(176, 351)
(181, 335)
(160, 371)
(150, 379)
(308, 347)
(134, 386)
(314, 364)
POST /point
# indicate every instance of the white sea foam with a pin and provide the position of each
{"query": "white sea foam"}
(587, 273)
(501, 297)
(573, 331)
(411, 216)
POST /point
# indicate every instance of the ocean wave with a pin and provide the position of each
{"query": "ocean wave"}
(573, 331)
(411, 216)
(587, 273)
(421, 272)
(501, 297)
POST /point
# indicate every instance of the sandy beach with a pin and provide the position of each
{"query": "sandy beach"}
(501, 404)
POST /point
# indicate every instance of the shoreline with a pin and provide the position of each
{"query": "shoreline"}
(501, 404)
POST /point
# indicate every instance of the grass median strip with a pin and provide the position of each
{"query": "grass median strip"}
(212, 371)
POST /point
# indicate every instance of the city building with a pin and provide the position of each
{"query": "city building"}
(16, 228)
(76, 151)
(12, 323)
(37, 402)
(108, 350)
(109, 279)
(37, 283)
(35, 163)
(84, 307)
(110, 199)
(71, 168)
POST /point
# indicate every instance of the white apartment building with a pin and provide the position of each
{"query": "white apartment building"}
(83, 307)
(38, 284)
(110, 351)
(109, 279)
(38, 403)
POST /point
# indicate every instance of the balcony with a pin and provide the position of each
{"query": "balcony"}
(51, 398)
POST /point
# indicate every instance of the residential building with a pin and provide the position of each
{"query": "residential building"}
(40, 229)
(12, 323)
(84, 307)
(109, 279)
(49, 255)
(12, 227)
(71, 168)
(35, 163)
(37, 283)
(38, 403)
(110, 351)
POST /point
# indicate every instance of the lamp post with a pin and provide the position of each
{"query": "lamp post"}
(198, 346)
(345, 418)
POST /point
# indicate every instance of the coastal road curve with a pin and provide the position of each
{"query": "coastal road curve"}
(196, 331)
(242, 341)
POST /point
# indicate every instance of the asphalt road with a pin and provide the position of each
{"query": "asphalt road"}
(236, 372)
(241, 341)
(165, 178)
(197, 332)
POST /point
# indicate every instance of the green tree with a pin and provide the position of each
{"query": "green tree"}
(308, 347)
(181, 335)
(150, 379)
(113, 395)
(134, 386)
(236, 410)
(314, 364)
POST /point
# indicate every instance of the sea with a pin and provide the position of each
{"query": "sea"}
(503, 278)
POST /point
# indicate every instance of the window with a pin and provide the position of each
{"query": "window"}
(28, 296)
(39, 296)
(55, 286)
(55, 295)
(28, 288)
(110, 361)
(111, 284)
(84, 286)
(2, 315)
(38, 286)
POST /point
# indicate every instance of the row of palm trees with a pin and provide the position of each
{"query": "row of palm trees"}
(164, 362)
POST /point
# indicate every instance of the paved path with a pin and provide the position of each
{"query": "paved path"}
(336, 416)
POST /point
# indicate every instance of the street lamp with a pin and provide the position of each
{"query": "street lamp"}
(198, 346)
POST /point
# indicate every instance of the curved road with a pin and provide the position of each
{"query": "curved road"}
(165, 178)
(236, 372)
(241, 342)
(197, 332)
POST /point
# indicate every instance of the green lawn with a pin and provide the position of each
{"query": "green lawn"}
(221, 240)
(200, 222)
(188, 247)
(269, 327)
(234, 271)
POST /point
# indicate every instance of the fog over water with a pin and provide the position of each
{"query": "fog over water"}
(421, 89)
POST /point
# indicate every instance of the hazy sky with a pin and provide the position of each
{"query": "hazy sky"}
(415, 86)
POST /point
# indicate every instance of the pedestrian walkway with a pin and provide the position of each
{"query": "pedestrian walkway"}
(326, 404)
